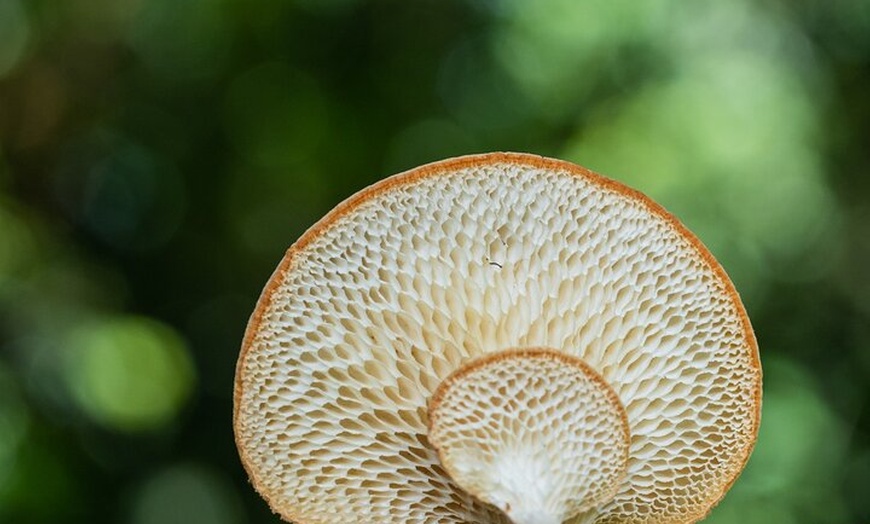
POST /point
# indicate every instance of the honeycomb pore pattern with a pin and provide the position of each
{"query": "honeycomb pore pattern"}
(532, 431)
(407, 280)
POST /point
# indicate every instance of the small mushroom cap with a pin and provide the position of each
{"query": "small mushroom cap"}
(404, 282)
(534, 432)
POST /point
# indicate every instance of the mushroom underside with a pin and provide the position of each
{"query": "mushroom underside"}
(533, 432)
(377, 306)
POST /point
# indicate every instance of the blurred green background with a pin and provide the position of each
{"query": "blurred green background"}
(158, 156)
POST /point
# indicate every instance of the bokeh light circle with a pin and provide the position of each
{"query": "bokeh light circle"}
(129, 373)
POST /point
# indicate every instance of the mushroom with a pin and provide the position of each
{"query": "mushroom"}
(534, 432)
(498, 338)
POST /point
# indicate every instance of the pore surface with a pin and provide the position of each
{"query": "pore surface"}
(532, 431)
(383, 300)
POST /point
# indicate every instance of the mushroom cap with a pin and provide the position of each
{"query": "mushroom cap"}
(405, 281)
(534, 432)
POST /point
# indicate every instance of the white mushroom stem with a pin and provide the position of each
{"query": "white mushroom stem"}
(535, 517)
(534, 432)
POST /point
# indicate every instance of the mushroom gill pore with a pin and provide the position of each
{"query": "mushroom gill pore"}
(497, 338)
